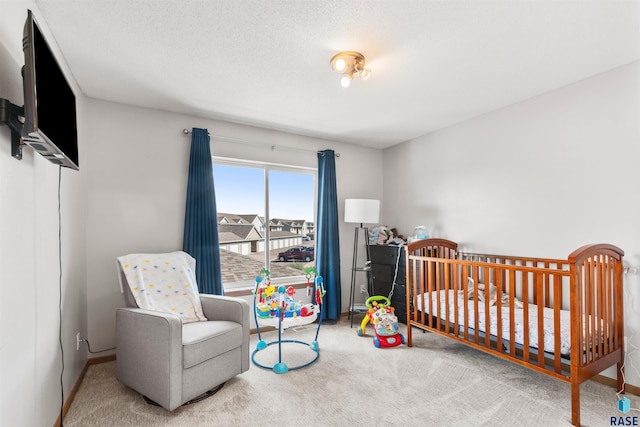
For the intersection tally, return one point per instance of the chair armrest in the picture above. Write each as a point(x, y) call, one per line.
point(218, 307)
point(149, 353)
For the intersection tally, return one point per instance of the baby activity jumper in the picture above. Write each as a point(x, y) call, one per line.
point(275, 306)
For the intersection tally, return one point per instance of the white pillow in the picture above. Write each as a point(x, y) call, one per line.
point(164, 282)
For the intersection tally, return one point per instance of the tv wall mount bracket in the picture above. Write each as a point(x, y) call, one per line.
point(13, 115)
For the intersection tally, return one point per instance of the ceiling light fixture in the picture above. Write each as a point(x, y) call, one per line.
point(349, 64)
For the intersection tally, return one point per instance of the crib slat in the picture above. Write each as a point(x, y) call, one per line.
point(547, 285)
point(447, 286)
point(512, 323)
point(435, 286)
point(590, 315)
point(598, 306)
point(525, 303)
point(577, 328)
point(608, 309)
point(456, 281)
point(487, 310)
point(500, 289)
point(610, 304)
point(557, 306)
point(476, 318)
point(423, 282)
point(538, 289)
point(465, 307)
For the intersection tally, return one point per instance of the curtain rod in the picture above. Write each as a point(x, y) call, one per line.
point(244, 141)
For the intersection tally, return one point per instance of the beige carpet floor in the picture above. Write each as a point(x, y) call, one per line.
point(437, 382)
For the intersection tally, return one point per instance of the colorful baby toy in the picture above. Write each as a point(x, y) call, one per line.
point(384, 322)
point(276, 307)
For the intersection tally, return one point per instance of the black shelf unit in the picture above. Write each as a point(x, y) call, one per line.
point(388, 266)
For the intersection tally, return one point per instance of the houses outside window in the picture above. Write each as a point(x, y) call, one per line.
point(266, 219)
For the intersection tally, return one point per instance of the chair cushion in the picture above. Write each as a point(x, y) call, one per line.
point(205, 340)
point(164, 282)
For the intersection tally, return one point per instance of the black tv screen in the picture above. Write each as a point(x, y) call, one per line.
point(49, 102)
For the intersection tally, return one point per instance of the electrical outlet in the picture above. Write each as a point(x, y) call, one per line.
point(78, 341)
point(363, 289)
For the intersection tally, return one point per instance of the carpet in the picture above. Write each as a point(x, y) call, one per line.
point(437, 382)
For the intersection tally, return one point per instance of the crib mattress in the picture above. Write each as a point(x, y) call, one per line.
point(518, 320)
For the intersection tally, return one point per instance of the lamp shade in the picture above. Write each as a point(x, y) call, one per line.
point(362, 211)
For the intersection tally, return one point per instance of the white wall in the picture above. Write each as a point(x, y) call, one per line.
point(30, 358)
point(137, 177)
point(539, 178)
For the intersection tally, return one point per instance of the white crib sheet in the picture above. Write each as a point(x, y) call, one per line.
point(549, 335)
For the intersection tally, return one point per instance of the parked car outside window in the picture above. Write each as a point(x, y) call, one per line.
point(299, 253)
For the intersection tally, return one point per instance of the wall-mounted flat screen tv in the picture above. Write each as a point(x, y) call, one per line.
point(50, 125)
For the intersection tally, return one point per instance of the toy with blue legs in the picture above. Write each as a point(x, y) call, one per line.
point(275, 306)
point(384, 321)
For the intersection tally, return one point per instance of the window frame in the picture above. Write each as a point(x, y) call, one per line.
point(267, 167)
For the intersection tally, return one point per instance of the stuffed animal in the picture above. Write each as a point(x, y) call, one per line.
point(383, 235)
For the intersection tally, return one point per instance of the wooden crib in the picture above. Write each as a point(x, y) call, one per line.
point(573, 307)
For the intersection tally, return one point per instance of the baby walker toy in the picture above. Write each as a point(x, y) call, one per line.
point(274, 306)
point(384, 322)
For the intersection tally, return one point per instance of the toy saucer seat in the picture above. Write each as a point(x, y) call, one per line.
point(279, 310)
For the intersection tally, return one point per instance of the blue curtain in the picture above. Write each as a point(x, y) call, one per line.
point(327, 240)
point(200, 220)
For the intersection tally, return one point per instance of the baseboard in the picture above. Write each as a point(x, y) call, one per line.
point(76, 386)
point(72, 394)
point(628, 388)
point(101, 359)
point(262, 330)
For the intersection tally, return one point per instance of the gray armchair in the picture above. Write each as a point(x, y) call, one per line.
point(171, 362)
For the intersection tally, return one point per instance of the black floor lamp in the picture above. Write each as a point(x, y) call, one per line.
point(360, 211)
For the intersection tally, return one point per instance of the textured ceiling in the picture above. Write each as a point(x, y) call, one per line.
point(266, 62)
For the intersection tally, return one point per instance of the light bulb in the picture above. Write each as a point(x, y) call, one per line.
point(364, 74)
point(340, 64)
point(345, 81)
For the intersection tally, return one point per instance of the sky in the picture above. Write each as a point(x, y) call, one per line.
point(240, 190)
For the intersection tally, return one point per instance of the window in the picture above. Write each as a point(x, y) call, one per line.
point(266, 219)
